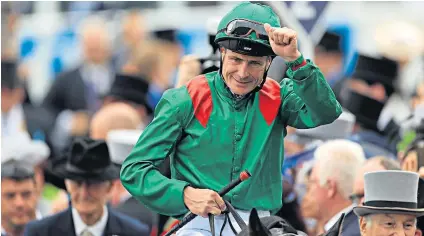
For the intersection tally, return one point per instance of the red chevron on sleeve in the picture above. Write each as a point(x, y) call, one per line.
point(270, 100)
point(201, 97)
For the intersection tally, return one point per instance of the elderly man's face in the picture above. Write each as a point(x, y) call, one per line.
point(317, 196)
point(18, 202)
point(309, 206)
point(96, 45)
point(88, 198)
point(388, 225)
point(243, 73)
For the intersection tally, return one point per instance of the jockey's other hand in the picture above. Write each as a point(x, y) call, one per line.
point(203, 201)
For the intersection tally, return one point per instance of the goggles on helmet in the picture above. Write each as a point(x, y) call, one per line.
point(243, 28)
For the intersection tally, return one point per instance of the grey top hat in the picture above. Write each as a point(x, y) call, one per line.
point(341, 128)
point(390, 192)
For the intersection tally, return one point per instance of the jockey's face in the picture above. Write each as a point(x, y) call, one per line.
point(243, 73)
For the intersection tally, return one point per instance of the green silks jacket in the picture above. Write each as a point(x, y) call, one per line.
point(211, 137)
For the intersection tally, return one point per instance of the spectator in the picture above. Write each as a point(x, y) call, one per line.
point(76, 94)
point(88, 173)
point(390, 204)
point(19, 117)
point(32, 154)
point(18, 197)
point(331, 182)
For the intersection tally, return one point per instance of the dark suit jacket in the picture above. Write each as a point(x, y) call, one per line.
point(136, 210)
point(350, 225)
point(67, 92)
point(39, 122)
point(62, 224)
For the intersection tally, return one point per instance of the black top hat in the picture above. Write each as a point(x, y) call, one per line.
point(87, 160)
point(366, 110)
point(131, 88)
point(376, 70)
point(330, 42)
point(169, 35)
point(9, 77)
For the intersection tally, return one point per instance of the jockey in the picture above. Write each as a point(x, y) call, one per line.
point(227, 121)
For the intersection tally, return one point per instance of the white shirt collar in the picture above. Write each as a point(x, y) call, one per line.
point(334, 219)
point(98, 75)
point(38, 215)
point(96, 229)
point(13, 121)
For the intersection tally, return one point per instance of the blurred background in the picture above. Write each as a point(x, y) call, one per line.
point(44, 35)
point(65, 63)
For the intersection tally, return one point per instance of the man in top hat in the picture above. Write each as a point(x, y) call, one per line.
point(390, 204)
point(19, 196)
point(229, 120)
point(88, 173)
point(117, 115)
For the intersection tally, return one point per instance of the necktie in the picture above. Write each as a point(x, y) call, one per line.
point(86, 232)
point(92, 97)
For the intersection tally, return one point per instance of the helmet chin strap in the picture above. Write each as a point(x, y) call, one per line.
point(259, 87)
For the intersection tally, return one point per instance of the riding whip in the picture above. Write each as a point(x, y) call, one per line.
point(243, 176)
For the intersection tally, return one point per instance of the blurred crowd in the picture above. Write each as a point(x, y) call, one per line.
point(62, 156)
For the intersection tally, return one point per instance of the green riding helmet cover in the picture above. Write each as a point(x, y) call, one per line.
point(250, 44)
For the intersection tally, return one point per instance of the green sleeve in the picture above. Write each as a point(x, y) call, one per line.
point(140, 174)
point(308, 100)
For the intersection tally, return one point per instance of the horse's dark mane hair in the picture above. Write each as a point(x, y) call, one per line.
point(268, 226)
point(275, 225)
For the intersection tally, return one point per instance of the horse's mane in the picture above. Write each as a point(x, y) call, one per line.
point(268, 226)
point(275, 225)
